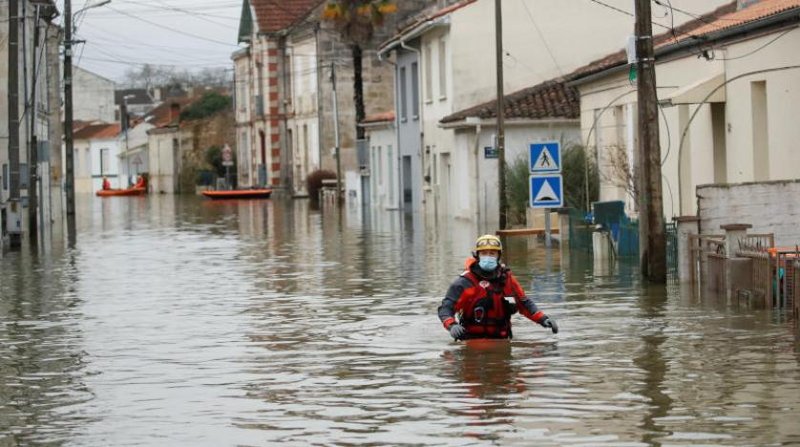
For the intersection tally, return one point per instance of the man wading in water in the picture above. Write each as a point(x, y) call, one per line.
point(477, 297)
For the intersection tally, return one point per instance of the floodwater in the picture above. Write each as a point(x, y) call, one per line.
point(183, 322)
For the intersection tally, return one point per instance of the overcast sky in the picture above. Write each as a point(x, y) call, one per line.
point(185, 34)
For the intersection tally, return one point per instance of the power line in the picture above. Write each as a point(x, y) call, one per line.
point(541, 36)
point(174, 30)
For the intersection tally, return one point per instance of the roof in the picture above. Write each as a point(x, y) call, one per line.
point(99, 131)
point(421, 19)
point(378, 118)
point(548, 100)
point(140, 96)
point(163, 116)
point(276, 15)
point(701, 30)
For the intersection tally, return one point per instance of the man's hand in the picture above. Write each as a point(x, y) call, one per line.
point(551, 324)
point(457, 331)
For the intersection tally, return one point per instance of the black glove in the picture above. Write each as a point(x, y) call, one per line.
point(548, 323)
point(457, 331)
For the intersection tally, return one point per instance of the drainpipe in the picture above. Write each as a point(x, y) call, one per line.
point(419, 100)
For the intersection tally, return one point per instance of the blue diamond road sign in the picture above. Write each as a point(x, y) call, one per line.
point(546, 191)
point(545, 157)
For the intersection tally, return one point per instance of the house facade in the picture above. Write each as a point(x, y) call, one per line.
point(97, 148)
point(727, 88)
point(92, 96)
point(287, 124)
point(455, 58)
point(30, 120)
point(384, 186)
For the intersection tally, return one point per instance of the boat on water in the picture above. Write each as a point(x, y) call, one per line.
point(261, 193)
point(135, 191)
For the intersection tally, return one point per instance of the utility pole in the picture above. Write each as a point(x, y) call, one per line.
point(33, 147)
point(15, 232)
point(336, 136)
point(501, 131)
point(70, 154)
point(652, 241)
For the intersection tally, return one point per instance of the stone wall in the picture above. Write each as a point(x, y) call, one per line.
point(197, 136)
point(770, 207)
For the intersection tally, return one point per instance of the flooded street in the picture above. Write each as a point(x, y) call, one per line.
point(181, 321)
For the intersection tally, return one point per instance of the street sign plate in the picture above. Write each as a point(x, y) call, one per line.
point(490, 152)
point(545, 157)
point(546, 191)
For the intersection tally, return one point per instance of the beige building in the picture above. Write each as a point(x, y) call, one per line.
point(728, 93)
point(452, 48)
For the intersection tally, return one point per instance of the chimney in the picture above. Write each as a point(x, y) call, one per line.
point(174, 112)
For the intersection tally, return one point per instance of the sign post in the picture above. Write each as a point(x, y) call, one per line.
point(227, 161)
point(546, 184)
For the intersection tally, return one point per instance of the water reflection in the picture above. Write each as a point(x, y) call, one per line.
point(182, 321)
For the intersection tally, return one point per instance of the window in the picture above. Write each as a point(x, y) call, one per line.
point(104, 161)
point(415, 90)
point(442, 69)
point(5, 176)
point(428, 73)
point(403, 93)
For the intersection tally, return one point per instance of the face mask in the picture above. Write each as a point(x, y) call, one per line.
point(487, 263)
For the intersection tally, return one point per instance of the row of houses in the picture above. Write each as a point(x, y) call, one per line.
point(727, 83)
point(30, 120)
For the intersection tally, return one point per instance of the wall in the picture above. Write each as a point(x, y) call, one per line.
point(782, 98)
point(383, 166)
point(304, 123)
point(771, 207)
point(93, 97)
point(196, 138)
point(409, 138)
point(599, 29)
point(481, 200)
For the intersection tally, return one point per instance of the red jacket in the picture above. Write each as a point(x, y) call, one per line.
point(478, 298)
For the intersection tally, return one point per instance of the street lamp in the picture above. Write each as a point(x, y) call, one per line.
point(68, 134)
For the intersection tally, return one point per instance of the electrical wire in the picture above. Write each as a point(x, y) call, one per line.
point(541, 36)
point(759, 48)
point(174, 30)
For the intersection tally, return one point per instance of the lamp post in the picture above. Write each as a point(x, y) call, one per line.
point(68, 118)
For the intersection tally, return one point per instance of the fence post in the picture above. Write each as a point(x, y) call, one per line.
point(685, 226)
point(733, 234)
point(563, 225)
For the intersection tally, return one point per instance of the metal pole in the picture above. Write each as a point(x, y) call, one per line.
point(652, 239)
point(501, 134)
point(68, 134)
point(336, 135)
point(13, 122)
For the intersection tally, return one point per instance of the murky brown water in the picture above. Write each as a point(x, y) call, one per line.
point(178, 321)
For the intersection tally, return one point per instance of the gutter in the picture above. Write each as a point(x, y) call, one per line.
point(470, 122)
point(789, 17)
point(412, 33)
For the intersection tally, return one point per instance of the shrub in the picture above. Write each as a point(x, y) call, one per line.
point(209, 104)
point(314, 181)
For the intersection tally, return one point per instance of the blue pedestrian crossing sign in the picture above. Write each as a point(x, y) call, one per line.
point(546, 191)
point(545, 157)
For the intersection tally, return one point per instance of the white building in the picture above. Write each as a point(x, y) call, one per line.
point(446, 64)
point(729, 91)
point(97, 148)
point(92, 97)
point(381, 132)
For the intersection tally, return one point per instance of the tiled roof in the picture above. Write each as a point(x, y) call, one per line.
point(724, 17)
point(378, 118)
point(276, 15)
point(100, 131)
point(162, 115)
point(551, 99)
